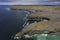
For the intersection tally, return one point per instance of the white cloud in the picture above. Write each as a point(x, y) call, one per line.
point(29, 2)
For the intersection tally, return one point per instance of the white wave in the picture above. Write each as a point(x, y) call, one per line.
point(8, 9)
point(44, 34)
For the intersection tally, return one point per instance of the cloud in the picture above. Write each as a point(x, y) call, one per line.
point(31, 2)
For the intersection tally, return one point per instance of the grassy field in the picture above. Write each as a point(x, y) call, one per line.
point(51, 12)
point(36, 8)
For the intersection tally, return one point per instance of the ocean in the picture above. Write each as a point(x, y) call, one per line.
point(11, 21)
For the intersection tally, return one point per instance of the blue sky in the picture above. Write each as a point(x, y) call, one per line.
point(28, 2)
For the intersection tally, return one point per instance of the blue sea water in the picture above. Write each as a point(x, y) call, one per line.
point(11, 22)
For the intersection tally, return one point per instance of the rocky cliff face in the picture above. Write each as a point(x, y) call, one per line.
point(44, 20)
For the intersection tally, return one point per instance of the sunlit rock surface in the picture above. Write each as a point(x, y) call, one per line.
point(42, 20)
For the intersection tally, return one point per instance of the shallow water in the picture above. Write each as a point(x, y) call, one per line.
point(42, 37)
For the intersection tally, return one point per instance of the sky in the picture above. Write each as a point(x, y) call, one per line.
point(29, 2)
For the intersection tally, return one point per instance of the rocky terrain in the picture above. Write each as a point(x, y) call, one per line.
point(46, 19)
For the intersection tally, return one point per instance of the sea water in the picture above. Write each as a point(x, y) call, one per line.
point(42, 37)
